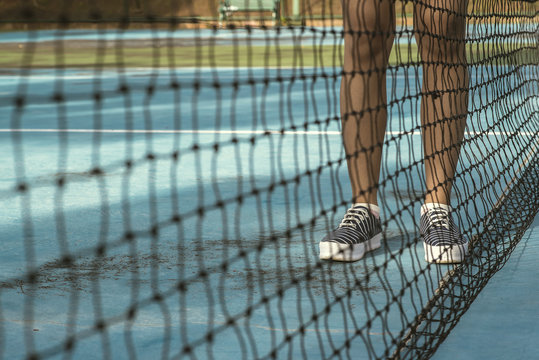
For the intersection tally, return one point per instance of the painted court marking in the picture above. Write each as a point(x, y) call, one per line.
point(239, 132)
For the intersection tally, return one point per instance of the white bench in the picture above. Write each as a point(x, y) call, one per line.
point(228, 8)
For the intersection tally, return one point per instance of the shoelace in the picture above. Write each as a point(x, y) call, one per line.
point(439, 218)
point(354, 217)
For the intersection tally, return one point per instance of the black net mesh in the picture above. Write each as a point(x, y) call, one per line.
point(170, 168)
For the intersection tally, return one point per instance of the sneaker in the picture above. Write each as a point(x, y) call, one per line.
point(442, 240)
point(360, 231)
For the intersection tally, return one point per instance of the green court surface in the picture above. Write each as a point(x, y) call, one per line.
point(168, 54)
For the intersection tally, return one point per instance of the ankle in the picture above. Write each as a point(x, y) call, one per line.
point(432, 205)
point(373, 208)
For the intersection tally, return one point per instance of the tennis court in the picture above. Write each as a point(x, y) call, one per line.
point(175, 212)
point(508, 303)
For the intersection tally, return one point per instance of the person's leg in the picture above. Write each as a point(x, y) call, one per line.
point(369, 27)
point(369, 30)
point(440, 29)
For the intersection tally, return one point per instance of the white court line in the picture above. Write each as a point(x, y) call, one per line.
point(238, 132)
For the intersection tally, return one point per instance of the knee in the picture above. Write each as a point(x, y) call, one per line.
point(369, 28)
point(440, 36)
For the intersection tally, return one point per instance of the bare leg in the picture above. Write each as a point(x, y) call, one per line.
point(369, 27)
point(440, 33)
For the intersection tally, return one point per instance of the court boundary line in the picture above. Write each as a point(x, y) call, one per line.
point(241, 132)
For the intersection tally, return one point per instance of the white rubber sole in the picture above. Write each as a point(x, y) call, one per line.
point(330, 250)
point(445, 254)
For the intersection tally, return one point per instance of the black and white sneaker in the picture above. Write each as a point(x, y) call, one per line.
point(442, 240)
point(360, 231)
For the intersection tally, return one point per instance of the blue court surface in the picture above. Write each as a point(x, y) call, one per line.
point(503, 322)
point(48, 140)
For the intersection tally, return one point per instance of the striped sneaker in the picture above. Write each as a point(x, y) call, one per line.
point(442, 240)
point(360, 231)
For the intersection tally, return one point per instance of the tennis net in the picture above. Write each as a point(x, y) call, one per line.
point(175, 164)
